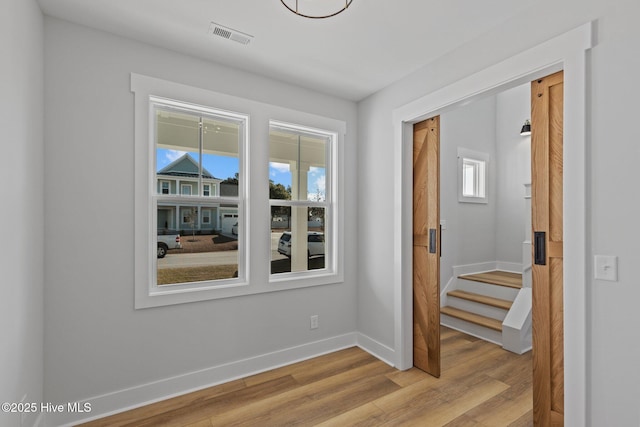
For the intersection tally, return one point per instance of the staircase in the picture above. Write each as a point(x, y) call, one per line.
point(490, 305)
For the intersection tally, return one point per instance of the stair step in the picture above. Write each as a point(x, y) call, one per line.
point(500, 278)
point(487, 322)
point(482, 299)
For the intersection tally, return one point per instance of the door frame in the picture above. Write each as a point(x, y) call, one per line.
point(565, 52)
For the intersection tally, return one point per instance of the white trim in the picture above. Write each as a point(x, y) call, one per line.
point(567, 52)
point(145, 394)
point(482, 179)
point(376, 349)
point(254, 204)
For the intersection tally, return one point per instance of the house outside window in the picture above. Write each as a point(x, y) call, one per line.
point(189, 135)
point(187, 156)
point(301, 199)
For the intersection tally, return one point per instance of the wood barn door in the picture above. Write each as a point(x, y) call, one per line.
point(426, 245)
point(547, 217)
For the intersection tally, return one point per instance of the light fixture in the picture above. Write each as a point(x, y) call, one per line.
point(317, 9)
point(526, 128)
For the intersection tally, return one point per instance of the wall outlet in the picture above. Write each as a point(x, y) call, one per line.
point(314, 321)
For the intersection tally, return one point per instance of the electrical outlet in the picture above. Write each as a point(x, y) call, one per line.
point(314, 321)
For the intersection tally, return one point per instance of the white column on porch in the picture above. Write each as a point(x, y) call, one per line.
point(299, 216)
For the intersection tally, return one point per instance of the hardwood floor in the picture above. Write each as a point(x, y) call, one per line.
point(481, 385)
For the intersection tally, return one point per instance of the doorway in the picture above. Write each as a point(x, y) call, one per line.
point(563, 52)
point(491, 244)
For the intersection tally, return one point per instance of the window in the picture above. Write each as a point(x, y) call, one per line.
point(188, 136)
point(300, 198)
point(472, 176)
point(191, 144)
point(165, 187)
point(206, 216)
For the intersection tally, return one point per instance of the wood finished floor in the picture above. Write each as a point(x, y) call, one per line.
point(481, 385)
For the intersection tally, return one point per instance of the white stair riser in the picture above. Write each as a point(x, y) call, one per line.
point(502, 292)
point(471, 329)
point(477, 308)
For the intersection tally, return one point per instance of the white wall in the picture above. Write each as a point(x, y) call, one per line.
point(470, 234)
point(95, 341)
point(613, 153)
point(22, 259)
point(513, 160)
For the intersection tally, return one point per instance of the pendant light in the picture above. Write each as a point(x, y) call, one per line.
point(316, 9)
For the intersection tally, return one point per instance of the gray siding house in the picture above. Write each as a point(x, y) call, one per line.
point(181, 178)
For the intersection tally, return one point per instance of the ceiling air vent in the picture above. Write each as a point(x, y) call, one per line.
point(229, 33)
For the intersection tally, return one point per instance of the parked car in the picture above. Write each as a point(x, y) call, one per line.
point(315, 244)
point(166, 242)
point(234, 229)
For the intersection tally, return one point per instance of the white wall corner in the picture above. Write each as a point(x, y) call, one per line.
point(376, 349)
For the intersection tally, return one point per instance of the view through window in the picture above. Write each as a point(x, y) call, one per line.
point(300, 198)
point(197, 175)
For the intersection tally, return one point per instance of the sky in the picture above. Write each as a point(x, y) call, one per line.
point(224, 167)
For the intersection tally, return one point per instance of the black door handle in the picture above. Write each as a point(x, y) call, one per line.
point(539, 248)
point(432, 241)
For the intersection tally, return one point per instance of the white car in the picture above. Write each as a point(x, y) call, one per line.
point(315, 244)
point(166, 242)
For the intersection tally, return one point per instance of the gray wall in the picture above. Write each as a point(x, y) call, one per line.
point(513, 163)
point(470, 234)
point(22, 260)
point(613, 212)
point(95, 341)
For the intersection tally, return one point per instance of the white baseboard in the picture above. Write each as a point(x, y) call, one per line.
point(482, 267)
point(376, 349)
point(448, 287)
point(130, 398)
point(514, 267)
point(473, 268)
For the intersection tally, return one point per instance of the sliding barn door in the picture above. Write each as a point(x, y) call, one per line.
point(547, 217)
point(426, 245)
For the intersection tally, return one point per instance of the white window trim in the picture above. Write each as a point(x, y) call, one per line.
point(204, 186)
point(330, 205)
point(183, 187)
point(258, 115)
point(464, 153)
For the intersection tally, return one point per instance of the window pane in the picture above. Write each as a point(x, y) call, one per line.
point(220, 160)
point(288, 253)
point(177, 149)
point(203, 248)
point(297, 164)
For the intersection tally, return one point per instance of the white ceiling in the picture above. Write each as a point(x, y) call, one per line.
point(351, 55)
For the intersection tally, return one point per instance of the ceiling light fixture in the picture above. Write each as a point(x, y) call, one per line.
point(526, 128)
point(317, 9)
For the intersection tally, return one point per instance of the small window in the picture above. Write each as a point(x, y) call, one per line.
point(472, 176)
point(206, 190)
point(185, 189)
point(166, 189)
point(206, 216)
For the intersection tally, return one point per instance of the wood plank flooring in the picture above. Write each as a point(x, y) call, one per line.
point(481, 385)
